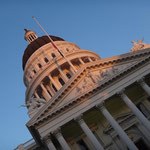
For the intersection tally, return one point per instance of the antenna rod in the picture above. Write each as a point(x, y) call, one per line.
point(52, 42)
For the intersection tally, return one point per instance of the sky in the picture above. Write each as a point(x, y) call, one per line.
point(105, 27)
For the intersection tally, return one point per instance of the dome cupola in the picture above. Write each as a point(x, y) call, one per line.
point(30, 36)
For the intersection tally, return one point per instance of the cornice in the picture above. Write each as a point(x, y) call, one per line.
point(41, 74)
point(38, 117)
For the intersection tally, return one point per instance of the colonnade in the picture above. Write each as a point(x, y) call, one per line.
point(31, 73)
point(121, 133)
point(47, 92)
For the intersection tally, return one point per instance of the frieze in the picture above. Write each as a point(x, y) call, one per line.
point(65, 102)
point(94, 78)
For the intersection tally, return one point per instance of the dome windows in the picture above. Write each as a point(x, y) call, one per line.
point(68, 75)
point(40, 66)
point(61, 81)
point(53, 55)
point(46, 60)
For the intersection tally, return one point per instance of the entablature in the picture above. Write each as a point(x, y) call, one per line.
point(107, 88)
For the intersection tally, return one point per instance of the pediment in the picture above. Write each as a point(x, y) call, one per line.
point(92, 79)
point(87, 79)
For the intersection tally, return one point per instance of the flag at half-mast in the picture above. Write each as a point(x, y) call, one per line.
point(52, 42)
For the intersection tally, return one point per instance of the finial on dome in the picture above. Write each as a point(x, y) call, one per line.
point(25, 30)
point(30, 36)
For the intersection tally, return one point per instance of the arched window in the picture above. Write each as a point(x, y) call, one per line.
point(61, 81)
point(68, 75)
point(46, 60)
point(53, 55)
point(34, 70)
point(40, 66)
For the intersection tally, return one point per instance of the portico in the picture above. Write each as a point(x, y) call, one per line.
point(118, 129)
point(85, 102)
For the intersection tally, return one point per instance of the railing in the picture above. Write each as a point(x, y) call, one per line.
point(28, 144)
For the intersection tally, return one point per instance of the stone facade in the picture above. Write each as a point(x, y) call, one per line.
point(78, 101)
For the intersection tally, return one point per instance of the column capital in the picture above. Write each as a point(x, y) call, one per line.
point(121, 92)
point(79, 119)
point(141, 81)
point(57, 132)
point(100, 105)
point(47, 138)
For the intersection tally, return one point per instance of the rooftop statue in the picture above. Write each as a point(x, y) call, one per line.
point(139, 45)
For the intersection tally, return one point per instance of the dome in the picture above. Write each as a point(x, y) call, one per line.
point(35, 45)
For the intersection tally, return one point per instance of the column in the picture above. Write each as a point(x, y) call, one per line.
point(55, 84)
point(60, 71)
point(72, 66)
point(21, 147)
point(144, 131)
point(64, 77)
point(117, 128)
point(89, 133)
point(81, 61)
point(49, 143)
point(90, 59)
point(135, 110)
point(49, 88)
point(45, 91)
point(61, 140)
point(144, 86)
point(37, 96)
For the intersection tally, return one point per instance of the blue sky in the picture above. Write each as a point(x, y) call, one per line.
point(105, 27)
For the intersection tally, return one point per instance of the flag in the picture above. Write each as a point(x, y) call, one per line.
point(56, 47)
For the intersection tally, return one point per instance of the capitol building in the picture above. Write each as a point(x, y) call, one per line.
point(78, 101)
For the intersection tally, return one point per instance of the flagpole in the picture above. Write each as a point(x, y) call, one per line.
point(53, 44)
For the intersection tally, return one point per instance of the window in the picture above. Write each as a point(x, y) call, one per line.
point(93, 58)
point(46, 60)
point(32, 36)
point(67, 49)
point(40, 66)
point(53, 86)
point(53, 55)
point(61, 81)
point(85, 59)
point(30, 76)
point(49, 93)
point(82, 145)
point(34, 71)
point(68, 75)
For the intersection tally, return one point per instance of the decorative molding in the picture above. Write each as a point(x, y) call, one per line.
point(117, 76)
point(101, 105)
point(79, 119)
point(141, 81)
point(57, 132)
point(34, 104)
point(47, 139)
